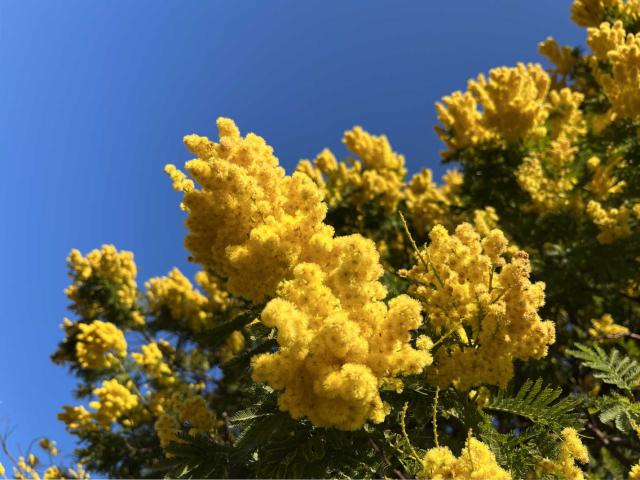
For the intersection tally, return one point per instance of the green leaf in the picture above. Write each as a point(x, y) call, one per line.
point(538, 404)
point(611, 368)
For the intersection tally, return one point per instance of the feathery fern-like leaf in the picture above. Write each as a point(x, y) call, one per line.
point(611, 368)
point(538, 404)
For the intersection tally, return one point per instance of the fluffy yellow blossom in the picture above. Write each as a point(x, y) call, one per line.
point(571, 450)
point(512, 100)
point(509, 105)
point(377, 176)
point(77, 419)
point(217, 297)
point(549, 178)
point(476, 461)
point(466, 286)
point(49, 446)
point(562, 57)
point(565, 117)
point(606, 327)
point(430, 204)
point(634, 473)
point(151, 360)
point(613, 223)
point(52, 473)
point(176, 294)
point(620, 82)
point(107, 268)
point(114, 402)
point(247, 221)
point(589, 13)
point(603, 181)
point(338, 341)
point(99, 344)
point(188, 409)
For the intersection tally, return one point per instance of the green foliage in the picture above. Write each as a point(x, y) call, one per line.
point(612, 368)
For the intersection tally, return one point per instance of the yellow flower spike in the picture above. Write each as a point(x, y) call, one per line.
point(476, 461)
point(589, 13)
point(247, 221)
point(499, 310)
point(114, 401)
point(572, 450)
point(100, 345)
point(621, 50)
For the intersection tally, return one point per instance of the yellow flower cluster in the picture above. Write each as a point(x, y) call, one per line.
point(338, 341)
point(190, 409)
point(476, 462)
point(468, 288)
point(378, 175)
point(620, 82)
point(512, 105)
point(589, 13)
point(606, 327)
point(571, 450)
point(430, 204)
point(108, 267)
point(634, 473)
point(114, 402)
point(99, 344)
point(562, 57)
point(548, 177)
point(613, 223)
point(248, 222)
point(152, 361)
point(49, 446)
point(604, 182)
point(176, 295)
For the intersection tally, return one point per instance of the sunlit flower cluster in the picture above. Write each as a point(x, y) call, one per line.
point(114, 402)
point(468, 289)
point(377, 175)
point(621, 81)
point(509, 105)
point(176, 295)
point(185, 409)
point(606, 326)
point(476, 462)
point(572, 450)
point(338, 341)
point(112, 272)
point(152, 361)
point(430, 204)
point(99, 344)
point(612, 223)
point(248, 222)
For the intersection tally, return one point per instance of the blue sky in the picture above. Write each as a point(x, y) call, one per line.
point(96, 96)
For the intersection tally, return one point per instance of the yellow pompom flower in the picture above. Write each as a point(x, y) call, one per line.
point(99, 345)
point(612, 223)
point(49, 446)
point(77, 419)
point(151, 360)
point(109, 267)
point(114, 402)
point(634, 473)
point(430, 204)
point(509, 105)
point(589, 13)
point(620, 82)
point(338, 341)
point(606, 327)
point(476, 461)
point(468, 288)
point(52, 473)
point(562, 57)
point(247, 221)
point(176, 295)
point(572, 450)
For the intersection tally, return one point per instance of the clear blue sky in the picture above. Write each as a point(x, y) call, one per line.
point(95, 97)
